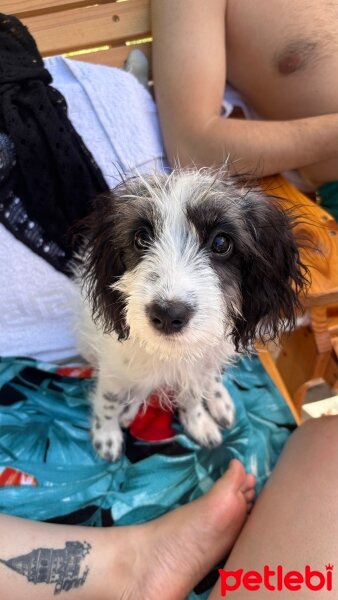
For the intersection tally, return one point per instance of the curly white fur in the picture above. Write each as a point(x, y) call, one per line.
point(184, 211)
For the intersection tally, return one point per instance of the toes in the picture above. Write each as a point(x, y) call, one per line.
point(236, 472)
point(234, 476)
point(108, 440)
point(250, 482)
point(244, 482)
point(249, 495)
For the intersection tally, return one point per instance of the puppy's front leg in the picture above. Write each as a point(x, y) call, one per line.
point(203, 410)
point(219, 402)
point(106, 432)
point(198, 423)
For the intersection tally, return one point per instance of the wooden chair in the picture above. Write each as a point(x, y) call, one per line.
point(103, 32)
point(308, 357)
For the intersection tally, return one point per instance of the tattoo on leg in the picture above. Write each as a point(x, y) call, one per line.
point(50, 565)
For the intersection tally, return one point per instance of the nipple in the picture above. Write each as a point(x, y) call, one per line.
point(289, 63)
point(295, 57)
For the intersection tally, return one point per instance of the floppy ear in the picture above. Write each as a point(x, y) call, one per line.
point(271, 270)
point(103, 266)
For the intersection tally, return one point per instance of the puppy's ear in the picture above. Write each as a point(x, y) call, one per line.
point(103, 266)
point(271, 270)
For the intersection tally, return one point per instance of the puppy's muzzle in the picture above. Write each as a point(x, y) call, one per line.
point(169, 317)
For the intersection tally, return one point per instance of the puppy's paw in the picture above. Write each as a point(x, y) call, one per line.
point(200, 426)
point(107, 439)
point(220, 405)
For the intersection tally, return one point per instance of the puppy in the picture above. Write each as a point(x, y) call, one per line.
point(179, 273)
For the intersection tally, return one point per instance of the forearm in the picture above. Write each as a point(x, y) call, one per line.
point(29, 578)
point(189, 69)
point(259, 147)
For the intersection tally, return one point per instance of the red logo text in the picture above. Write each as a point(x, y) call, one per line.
point(276, 579)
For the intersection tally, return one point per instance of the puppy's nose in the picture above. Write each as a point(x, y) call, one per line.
point(169, 317)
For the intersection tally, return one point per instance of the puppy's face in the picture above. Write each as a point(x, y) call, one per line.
point(180, 262)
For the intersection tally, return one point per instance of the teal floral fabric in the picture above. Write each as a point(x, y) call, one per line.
point(44, 432)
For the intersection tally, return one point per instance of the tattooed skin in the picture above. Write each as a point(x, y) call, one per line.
point(62, 568)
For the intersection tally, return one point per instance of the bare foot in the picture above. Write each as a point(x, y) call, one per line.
point(167, 557)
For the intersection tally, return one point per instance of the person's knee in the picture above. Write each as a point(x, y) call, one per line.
point(312, 446)
point(319, 426)
point(318, 432)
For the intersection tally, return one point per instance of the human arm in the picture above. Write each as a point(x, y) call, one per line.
point(189, 64)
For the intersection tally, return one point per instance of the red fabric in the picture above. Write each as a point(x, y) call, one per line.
point(154, 423)
point(76, 371)
point(10, 476)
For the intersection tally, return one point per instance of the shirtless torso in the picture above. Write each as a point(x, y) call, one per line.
point(281, 55)
point(285, 61)
point(286, 64)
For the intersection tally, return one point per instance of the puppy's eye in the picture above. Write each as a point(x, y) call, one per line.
point(142, 239)
point(221, 244)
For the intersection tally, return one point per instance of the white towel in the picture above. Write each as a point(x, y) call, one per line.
point(117, 120)
point(115, 115)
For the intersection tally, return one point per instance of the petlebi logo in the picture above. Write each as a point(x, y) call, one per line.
point(277, 579)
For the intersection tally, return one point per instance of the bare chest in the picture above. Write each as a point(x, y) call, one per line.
point(280, 52)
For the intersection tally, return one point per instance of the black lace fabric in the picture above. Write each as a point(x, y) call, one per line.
point(55, 178)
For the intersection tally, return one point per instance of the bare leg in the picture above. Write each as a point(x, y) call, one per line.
point(295, 520)
point(164, 558)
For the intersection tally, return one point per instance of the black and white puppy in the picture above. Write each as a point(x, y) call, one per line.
point(179, 273)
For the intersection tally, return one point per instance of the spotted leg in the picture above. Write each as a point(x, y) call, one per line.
point(202, 416)
point(106, 432)
point(129, 412)
point(198, 423)
point(219, 402)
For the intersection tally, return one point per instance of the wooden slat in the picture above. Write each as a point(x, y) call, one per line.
point(296, 360)
point(81, 28)
point(270, 367)
point(114, 57)
point(29, 7)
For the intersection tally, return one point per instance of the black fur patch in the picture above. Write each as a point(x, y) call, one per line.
point(264, 263)
point(109, 251)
